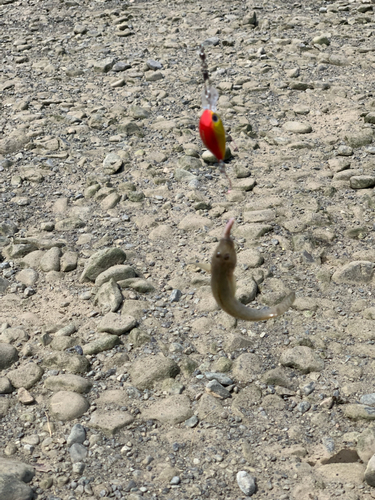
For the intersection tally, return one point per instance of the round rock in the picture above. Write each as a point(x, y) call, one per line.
point(8, 356)
point(66, 405)
point(246, 483)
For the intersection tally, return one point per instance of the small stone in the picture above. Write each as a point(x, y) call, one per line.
point(154, 65)
point(220, 377)
point(119, 272)
point(191, 422)
point(121, 66)
point(175, 295)
point(28, 277)
point(109, 296)
point(68, 382)
point(303, 406)
point(104, 65)
point(366, 444)
point(112, 163)
point(359, 412)
point(172, 410)
point(344, 151)
point(5, 385)
point(217, 390)
point(321, 40)
point(158, 368)
point(78, 468)
point(355, 272)
point(246, 483)
point(370, 472)
point(103, 343)
point(24, 396)
point(78, 452)
point(68, 261)
point(154, 77)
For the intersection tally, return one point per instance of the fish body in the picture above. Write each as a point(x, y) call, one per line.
point(223, 284)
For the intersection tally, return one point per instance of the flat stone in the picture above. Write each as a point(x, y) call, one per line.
point(117, 324)
point(297, 127)
point(67, 405)
point(302, 358)
point(68, 382)
point(355, 272)
point(158, 368)
point(118, 272)
point(103, 343)
point(26, 376)
point(65, 361)
point(171, 411)
point(359, 412)
point(110, 423)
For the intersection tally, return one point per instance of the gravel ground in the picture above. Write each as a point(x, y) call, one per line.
point(120, 377)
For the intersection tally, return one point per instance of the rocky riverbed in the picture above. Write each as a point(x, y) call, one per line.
point(120, 377)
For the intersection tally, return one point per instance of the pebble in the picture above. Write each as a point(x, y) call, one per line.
point(77, 435)
point(246, 483)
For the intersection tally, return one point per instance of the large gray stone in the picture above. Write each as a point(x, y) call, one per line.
point(101, 261)
point(359, 271)
point(8, 355)
point(145, 371)
point(26, 376)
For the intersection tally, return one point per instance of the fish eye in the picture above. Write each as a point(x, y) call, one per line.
point(215, 118)
point(218, 255)
point(226, 256)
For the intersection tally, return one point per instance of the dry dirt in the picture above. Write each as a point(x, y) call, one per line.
point(100, 150)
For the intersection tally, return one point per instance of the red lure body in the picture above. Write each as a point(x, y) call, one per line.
point(212, 133)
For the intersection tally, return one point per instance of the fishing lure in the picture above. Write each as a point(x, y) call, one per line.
point(211, 128)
